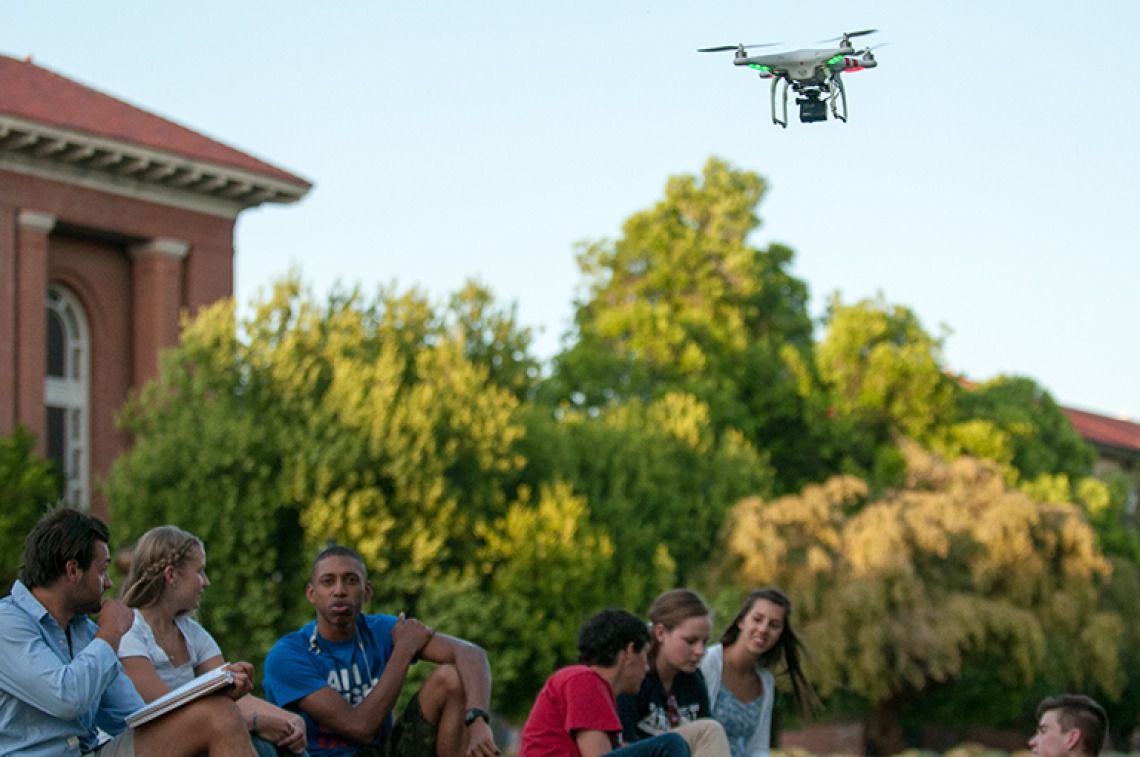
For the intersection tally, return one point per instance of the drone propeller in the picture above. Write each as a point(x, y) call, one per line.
point(726, 48)
point(868, 52)
point(849, 35)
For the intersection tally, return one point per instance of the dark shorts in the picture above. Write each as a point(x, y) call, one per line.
point(411, 736)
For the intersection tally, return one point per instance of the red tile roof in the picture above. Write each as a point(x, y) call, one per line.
point(34, 93)
point(1102, 430)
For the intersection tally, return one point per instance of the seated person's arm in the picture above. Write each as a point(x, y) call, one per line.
point(361, 723)
point(277, 726)
point(144, 677)
point(275, 722)
point(150, 687)
point(593, 743)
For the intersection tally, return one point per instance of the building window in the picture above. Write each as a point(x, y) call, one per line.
point(66, 392)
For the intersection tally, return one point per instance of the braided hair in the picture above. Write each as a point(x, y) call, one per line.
point(156, 550)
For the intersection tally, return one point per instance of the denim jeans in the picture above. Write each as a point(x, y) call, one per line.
point(266, 749)
point(665, 745)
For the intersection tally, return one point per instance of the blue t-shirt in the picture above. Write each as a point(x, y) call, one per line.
point(303, 662)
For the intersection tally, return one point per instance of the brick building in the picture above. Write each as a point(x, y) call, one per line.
point(1117, 444)
point(112, 222)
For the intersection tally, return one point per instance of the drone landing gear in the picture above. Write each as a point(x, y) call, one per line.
point(775, 82)
point(835, 85)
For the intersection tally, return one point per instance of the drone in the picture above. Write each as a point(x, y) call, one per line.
point(814, 75)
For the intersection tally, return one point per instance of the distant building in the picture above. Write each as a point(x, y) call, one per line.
point(1117, 443)
point(112, 221)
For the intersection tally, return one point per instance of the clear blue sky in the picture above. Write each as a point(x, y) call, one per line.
point(986, 178)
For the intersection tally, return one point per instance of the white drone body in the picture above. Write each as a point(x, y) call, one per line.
point(815, 75)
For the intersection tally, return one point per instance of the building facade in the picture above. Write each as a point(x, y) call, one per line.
point(113, 222)
point(1117, 445)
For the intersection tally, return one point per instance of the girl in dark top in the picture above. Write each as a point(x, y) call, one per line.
point(673, 695)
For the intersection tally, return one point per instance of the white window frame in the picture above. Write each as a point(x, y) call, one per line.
point(70, 393)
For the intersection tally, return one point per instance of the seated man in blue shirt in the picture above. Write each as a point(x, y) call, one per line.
point(62, 689)
point(343, 673)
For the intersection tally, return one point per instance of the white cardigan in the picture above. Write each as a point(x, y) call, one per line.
point(711, 667)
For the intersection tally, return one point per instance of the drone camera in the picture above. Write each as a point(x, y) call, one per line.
point(812, 110)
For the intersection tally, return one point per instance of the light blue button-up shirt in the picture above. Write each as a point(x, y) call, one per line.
point(53, 696)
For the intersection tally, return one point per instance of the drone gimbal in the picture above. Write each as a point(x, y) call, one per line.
point(813, 100)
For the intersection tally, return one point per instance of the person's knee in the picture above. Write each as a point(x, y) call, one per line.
point(444, 682)
point(199, 725)
point(443, 685)
point(673, 745)
point(220, 715)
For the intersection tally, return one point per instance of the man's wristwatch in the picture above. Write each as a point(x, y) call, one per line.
point(474, 714)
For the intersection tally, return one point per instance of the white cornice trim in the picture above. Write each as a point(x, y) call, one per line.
point(134, 171)
point(36, 220)
point(160, 248)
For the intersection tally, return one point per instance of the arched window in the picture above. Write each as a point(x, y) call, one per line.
point(66, 392)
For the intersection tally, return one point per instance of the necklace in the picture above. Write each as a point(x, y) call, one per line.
point(170, 640)
point(345, 677)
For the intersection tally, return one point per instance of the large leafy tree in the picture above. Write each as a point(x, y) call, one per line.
point(30, 485)
point(351, 419)
point(384, 424)
point(682, 302)
point(657, 478)
point(877, 377)
point(494, 339)
point(954, 578)
point(1026, 428)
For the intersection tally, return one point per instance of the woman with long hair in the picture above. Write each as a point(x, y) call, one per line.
point(166, 647)
point(738, 671)
point(673, 694)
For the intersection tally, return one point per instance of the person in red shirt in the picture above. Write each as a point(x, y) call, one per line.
point(575, 714)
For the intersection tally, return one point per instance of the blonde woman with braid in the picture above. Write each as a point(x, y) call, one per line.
point(166, 647)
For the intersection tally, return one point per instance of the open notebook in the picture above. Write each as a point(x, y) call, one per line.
point(207, 683)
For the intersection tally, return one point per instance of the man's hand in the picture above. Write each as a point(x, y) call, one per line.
point(411, 633)
point(115, 619)
point(298, 739)
point(481, 740)
point(286, 733)
point(243, 680)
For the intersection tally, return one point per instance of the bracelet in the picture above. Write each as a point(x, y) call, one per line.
point(253, 728)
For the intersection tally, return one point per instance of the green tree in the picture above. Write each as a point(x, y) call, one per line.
point(954, 578)
point(495, 340)
point(657, 478)
point(683, 303)
point(208, 457)
point(878, 376)
point(1105, 503)
point(542, 569)
point(1027, 429)
point(351, 419)
point(30, 486)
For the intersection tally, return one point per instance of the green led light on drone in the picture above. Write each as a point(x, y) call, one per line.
point(758, 67)
point(835, 60)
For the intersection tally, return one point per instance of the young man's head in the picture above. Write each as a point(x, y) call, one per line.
point(69, 548)
point(1070, 724)
point(619, 640)
point(338, 588)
